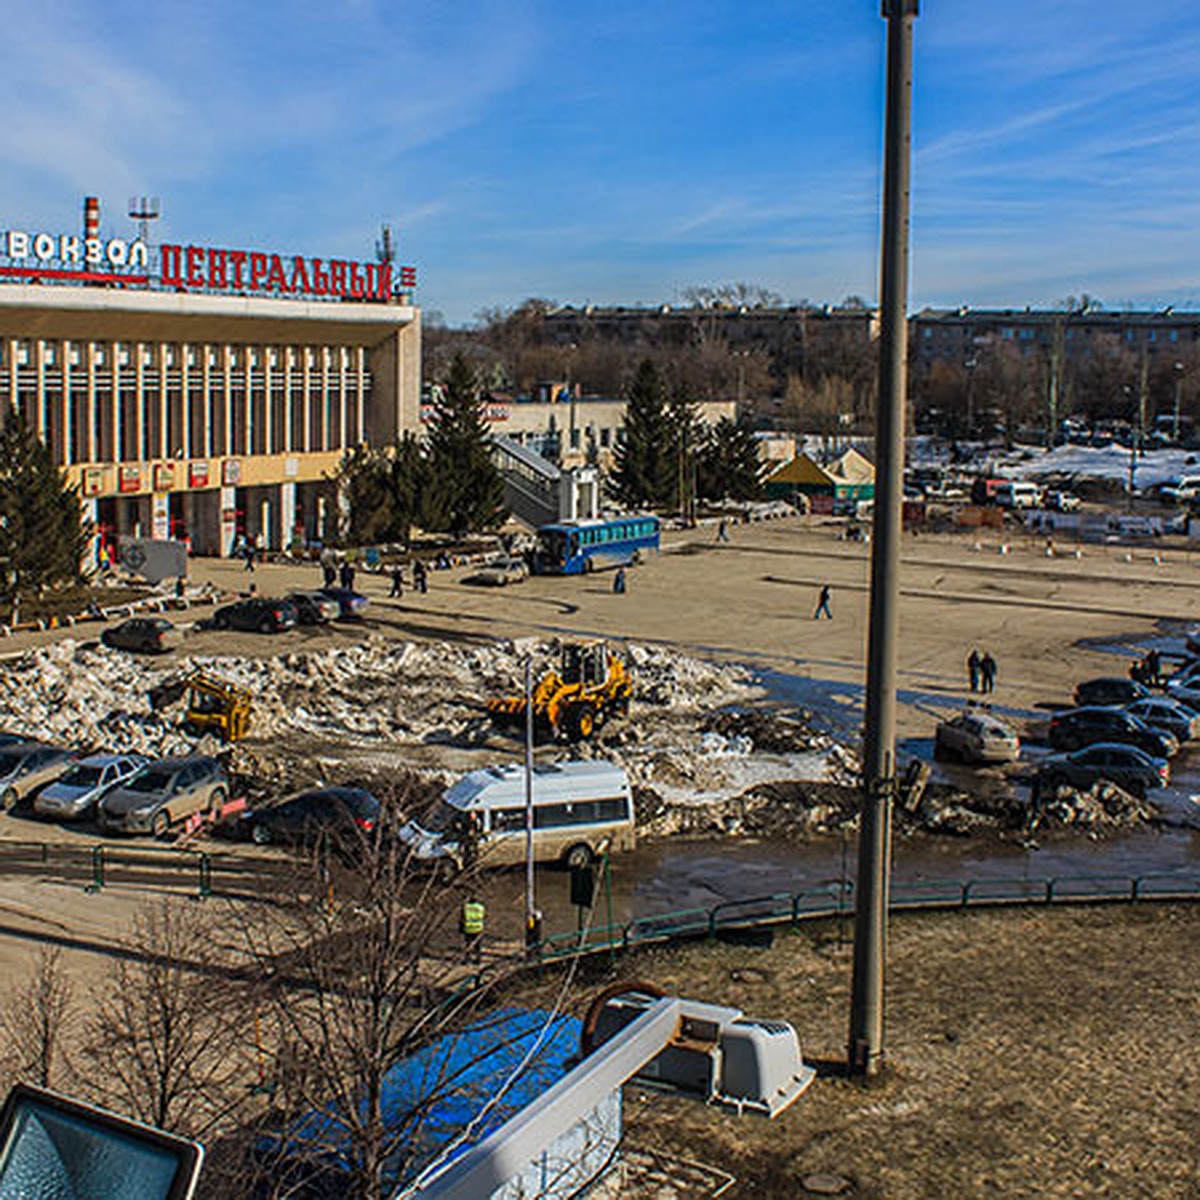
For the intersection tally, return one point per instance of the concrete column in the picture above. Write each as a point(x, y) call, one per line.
point(227, 387)
point(139, 403)
point(90, 450)
point(287, 514)
point(228, 520)
point(288, 441)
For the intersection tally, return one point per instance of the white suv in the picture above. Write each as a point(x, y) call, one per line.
point(1185, 490)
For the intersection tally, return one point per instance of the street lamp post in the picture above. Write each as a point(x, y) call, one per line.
point(1178, 369)
point(879, 743)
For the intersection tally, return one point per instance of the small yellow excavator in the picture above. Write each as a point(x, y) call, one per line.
point(216, 705)
point(590, 685)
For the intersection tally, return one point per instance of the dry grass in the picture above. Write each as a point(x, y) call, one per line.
point(1030, 1053)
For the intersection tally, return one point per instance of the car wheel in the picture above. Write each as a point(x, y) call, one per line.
point(578, 857)
point(220, 621)
point(8, 801)
point(260, 834)
point(265, 626)
point(161, 825)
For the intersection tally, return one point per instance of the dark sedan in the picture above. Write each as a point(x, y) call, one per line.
point(341, 813)
point(1114, 690)
point(258, 615)
point(1126, 766)
point(1075, 728)
point(143, 635)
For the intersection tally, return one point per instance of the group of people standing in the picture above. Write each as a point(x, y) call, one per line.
point(981, 672)
point(420, 580)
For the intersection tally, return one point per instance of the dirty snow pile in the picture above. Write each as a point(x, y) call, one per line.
point(393, 704)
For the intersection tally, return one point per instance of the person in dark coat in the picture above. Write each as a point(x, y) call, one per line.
point(619, 582)
point(346, 576)
point(330, 572)
point(420, 576)
point(987, 672)
point(973, 670)
point(397, 580)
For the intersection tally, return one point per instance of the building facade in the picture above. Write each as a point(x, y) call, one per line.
point(197, 401)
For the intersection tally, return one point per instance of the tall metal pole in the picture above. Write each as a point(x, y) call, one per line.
point(879, 748)
point(530, 905)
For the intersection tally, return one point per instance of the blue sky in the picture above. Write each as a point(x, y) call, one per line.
point(621, 153)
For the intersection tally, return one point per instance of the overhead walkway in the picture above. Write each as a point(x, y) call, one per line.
point(537, 491)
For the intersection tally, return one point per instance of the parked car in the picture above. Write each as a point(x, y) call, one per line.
point(162, 794)
point(1126, 766)
point(1161, 712)
point(143, 635)
point(1061, 502)
point(1182, 491)
point(500, 571)
point(258, 614)
point(314, 607)
point(976, 737)
point(1075, 728)
point(343, 813)
point(350, 603)
point(74, 794)
point(1185, 690)
point(27, 766)
point(1112, 690)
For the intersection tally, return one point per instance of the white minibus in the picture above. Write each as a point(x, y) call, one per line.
point(580, 809)
point(1019, 494)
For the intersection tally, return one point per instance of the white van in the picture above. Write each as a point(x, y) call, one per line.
point(580, 809)
point(1019, 494)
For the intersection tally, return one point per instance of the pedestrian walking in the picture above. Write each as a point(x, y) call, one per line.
point(420, 576)
point(823, 604)
point(723, 531)
point(330, 572)
point(346, 575)
point(397, 581)
point(471, 922)
point(973, 670)
point(987, 672)
point(619, 582)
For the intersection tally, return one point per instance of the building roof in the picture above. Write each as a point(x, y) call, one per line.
point(853, 467)
point(801, 470)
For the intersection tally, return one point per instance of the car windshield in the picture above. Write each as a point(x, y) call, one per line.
point(149, 781)
point(443, 819)
point(84, 777)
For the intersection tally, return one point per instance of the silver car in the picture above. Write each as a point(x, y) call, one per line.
point(162, 795)
point(26, 766)
point(499, 572)
point(74, 794)
point(977, 737)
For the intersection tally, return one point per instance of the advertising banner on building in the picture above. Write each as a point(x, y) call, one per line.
point(154, 559)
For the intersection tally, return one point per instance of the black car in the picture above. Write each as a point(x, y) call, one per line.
point(342, 813)
point(1114, 690)
point(1077, 727)
point(257, 614)
point(145, 635)
point(350, 603)
point(1126, 766)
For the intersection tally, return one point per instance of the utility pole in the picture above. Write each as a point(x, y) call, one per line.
point(879, 747)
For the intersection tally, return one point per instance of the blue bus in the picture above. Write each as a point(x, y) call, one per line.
point(578, 547)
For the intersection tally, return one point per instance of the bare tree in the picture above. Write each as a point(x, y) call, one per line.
point(164, 1044)
point(37, 1020)
point(348, 988)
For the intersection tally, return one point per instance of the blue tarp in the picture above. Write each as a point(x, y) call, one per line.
point(430, 1098)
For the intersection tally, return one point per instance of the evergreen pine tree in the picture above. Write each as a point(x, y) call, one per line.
point(42, 535)
point(687, 439)
point(729, 467)
point(465, 491)
point(644, 473)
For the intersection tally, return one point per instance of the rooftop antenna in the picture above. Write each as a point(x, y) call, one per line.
point(143, 210)
point(385, 246)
